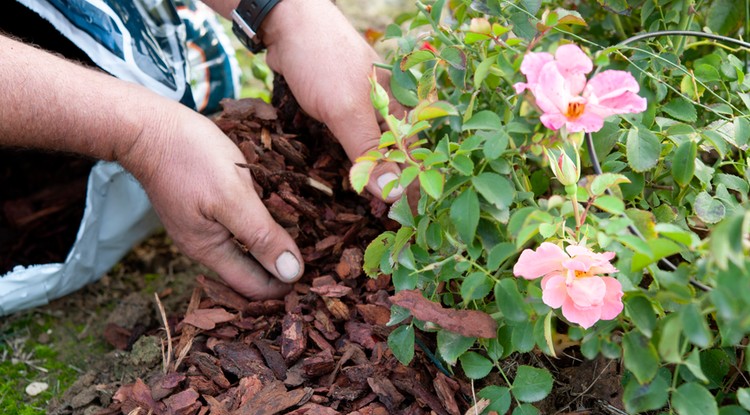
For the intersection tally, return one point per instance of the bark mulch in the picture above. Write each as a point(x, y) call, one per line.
point(323, 348)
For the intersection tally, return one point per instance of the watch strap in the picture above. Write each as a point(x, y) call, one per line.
point(246, 21)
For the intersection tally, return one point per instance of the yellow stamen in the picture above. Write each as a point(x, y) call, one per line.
point(575, 110)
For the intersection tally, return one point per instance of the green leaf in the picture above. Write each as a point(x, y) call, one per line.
point(681, 109)
point(610, 204)
point(660, 248)
point(495, 143)
point(522, 336)
point(725, 16)
point(398, 314)
point(727, 240)
point(639, 356)
point(401, 212)
point(741, 131)
point(683, 163)
point(475, 365)
point(641, 311)
point(708, 209)
point(693, 399)
point(499, 254)
point(648, 397)
point(695, 326)
point(693, 363)
point(359, 175)
point(497, 189)
point(452, 345)
point(431, 182)
point(732, 410)
point(531, 384)
point(483, 69)
point(743, 397)
point(604, 181)
point(510, 301)
point(475, 286)
point(454, 56)
point(643, 149)
point(464, 214)
point(435, 110)
point(525, 409)
point(463, 164)
point(376, 251)
point(415, 58)
point(401, 343)
point(669, 340)
point(499, 397)
point(483, 120)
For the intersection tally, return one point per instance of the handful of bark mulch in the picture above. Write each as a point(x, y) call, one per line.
point(321, 350)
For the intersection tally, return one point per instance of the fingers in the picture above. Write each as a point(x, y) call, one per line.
point(265, 239)
point(244, 274)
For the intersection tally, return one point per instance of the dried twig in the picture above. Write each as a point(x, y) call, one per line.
point(163, 314)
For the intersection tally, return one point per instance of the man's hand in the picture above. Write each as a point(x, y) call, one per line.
point(205, 201)
point(185, 163)
point(326, 64)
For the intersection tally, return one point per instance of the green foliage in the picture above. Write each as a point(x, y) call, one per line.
point(671, 202)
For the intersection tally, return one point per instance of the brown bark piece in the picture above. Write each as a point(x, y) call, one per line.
point(446, 389)
point(468, 323)
point(273, 359)
point(293, 339)
point(241, 360)
point(163, 385)
point(319, 364)
point(350, 263)
point(184, 402)
point(207, 319)
point(361, 334)
point(274, 399)
point(222, 294)
point(374, 314)
point(387, 393)
point(209, 366)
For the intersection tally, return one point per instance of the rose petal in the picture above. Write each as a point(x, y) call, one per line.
point(612, 306)
point(552, 92)
point(553, 121)
point(554, 291)
point(585, 317)
point(545, 260)
point(614, 92)
point(587, 291)
point(573, 64)
point(597, 263)
point(532, 65)
point(588, 122)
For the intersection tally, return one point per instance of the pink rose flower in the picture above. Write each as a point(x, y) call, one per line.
point(559, 86)
point(571, 281)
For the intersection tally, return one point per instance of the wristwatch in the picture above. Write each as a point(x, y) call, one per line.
point(246, 20)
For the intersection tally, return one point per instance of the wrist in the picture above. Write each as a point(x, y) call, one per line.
point(247, 19)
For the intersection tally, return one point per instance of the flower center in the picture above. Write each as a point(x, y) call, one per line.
point(581, 274)
point(575, 110)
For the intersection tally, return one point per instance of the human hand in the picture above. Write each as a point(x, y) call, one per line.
point(205, 201)
point(326, 64)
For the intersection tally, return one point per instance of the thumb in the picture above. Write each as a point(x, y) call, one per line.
point(361, 136)
point(270, 245)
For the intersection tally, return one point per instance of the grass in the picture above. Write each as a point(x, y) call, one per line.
point(25, 357)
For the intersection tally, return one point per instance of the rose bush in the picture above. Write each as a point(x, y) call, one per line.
point(600, 146)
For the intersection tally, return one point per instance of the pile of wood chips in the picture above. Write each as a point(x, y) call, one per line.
point(322, 349)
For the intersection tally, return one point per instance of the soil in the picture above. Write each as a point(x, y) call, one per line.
point(320, 350)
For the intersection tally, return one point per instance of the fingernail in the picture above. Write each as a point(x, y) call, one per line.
point(386, 178)
point(287, 266)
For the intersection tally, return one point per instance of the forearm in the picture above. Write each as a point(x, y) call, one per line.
point(51, 103)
